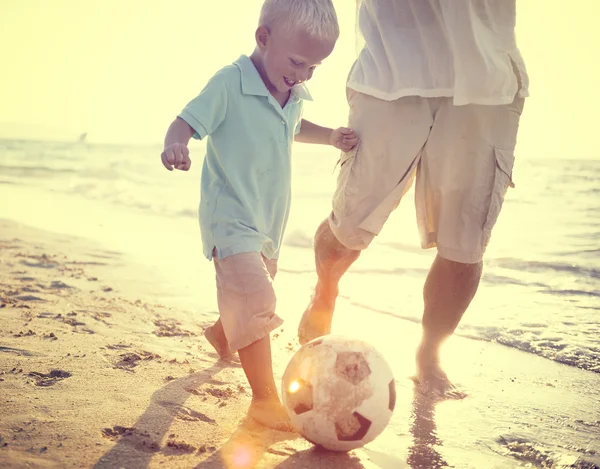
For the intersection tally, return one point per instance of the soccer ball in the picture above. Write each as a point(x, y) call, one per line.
point(339, 392)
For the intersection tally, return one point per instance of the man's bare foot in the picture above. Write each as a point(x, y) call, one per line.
point(434, 384)
point(317, 318)
point(431, 380)
point(219, 342)
point(271, 414)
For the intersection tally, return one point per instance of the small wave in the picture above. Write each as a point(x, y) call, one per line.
point(32, 170)
point(504, 280)
point(541, 267)
point(555, 350)
point(535, 454)
point(528, 338)
point(571, 293)
point(583, 252)
point(415, 271)
point(410, 248)
point(186, 212)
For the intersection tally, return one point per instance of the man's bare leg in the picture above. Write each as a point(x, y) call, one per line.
point(448, 291)
point(332, 260)
point(265, 408)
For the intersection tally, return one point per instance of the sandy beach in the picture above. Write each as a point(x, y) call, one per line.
point(95, 374)
point(93, 377)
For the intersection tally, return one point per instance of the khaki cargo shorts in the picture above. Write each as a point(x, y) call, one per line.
point(246, 297)
point(461, 158)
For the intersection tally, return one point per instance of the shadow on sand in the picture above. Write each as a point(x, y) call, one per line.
point(251, 444)
point(136, 445)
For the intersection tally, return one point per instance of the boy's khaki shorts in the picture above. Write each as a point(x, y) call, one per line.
point(246, 297)
point(461, 157)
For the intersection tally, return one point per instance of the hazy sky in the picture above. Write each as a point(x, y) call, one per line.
point(121, 70)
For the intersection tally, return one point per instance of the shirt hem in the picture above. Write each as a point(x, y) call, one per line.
point(425, 93)
point(435, 93)
point(223, 252)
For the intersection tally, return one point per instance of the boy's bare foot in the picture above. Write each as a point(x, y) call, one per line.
point(317, 318)
point(271, 414)
point(219, 342)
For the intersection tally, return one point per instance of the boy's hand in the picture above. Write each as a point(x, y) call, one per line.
point(343, 138)
point(176, 155)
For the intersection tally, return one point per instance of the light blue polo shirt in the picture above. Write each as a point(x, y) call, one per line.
point(246, 177)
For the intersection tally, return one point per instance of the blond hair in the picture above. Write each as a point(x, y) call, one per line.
point(315, 17)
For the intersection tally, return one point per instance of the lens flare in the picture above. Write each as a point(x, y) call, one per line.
point(294, 386)
point(241, 455)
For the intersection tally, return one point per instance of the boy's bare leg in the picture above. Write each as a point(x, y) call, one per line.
point(265, 408)
point(216, 337)
point(448, 291)
point(332, 260)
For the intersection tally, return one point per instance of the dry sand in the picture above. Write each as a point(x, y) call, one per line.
point(91, 376)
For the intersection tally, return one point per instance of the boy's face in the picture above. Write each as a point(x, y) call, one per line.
point(289, 58)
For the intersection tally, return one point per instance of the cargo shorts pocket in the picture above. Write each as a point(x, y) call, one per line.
point(504, 162)
point(346, 184)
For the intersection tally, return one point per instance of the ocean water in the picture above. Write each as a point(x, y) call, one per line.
point(540, 292)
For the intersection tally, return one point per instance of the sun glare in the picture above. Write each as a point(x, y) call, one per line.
point(294, 386)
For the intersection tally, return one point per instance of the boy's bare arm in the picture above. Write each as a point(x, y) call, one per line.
point(176, 154)
point(342, 138)
point(313, 133)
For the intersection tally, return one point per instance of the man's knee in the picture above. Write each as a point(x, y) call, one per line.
point(330, 250)
point(461, 269)
point(348, 235)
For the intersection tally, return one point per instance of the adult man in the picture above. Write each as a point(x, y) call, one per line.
point(435, 96)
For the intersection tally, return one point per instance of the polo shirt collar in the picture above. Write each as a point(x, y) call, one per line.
point(301, 92)
point(253, 84)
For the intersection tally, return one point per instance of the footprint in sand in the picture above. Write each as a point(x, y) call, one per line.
point(58, 285)
point(170, 328)
point(17, 351)
point(180, 446)
point(129, 360)
point(119, 346)
point(9, 244)
point(43, 262)
point(29, 333)
point(185, 413)
point(71, 321)
point(131, 435)
point(49, 379)
point(99, 316)
point(221, 393)
point(117, 431)
point(29, 298)
point(6, 300)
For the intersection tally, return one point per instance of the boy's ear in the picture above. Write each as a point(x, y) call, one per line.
point(262, 36)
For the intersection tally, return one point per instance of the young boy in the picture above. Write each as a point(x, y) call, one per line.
point(251, 113)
